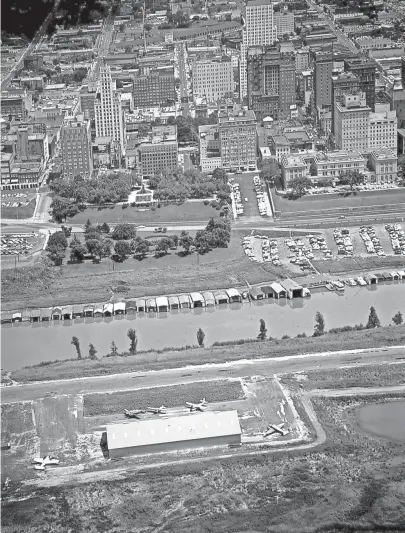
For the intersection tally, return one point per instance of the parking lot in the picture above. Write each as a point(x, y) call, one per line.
point(297, 253)
point(252, 195)
point(19, 243)
point(16, 198)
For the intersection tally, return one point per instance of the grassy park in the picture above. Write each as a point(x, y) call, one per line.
point(324, 202)
point(186, 212)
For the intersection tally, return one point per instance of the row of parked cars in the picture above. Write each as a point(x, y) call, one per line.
point(238, 198)
point(397, 236)
point(14, 244)
point(319, 243)
point(371, 241)
point(344, 242)
point(270, 251)
point(247, 246)
point(301, 253)
point(260, 195)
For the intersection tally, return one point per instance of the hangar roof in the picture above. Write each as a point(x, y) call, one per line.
point(173, 429)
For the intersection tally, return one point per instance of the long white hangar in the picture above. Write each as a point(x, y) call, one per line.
point(174, 433)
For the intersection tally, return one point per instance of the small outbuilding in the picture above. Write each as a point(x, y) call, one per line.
point(278, 290)
point(151, 305)
point(267, 291)
point(46, 314)
point(67, 312)
point(108, 309)
point(57, 313)
point(6, 318)
point(401, 274)
point(209, 298)
point(233, 295)
point(256, 293)
point(197, 299)
point(141, 306)
point(88, 310)
point(185, 302)
point(35, 315)
point(26, 316)
point(379, 277)
point(173, 433)
point(221, 297)
point(131, 307)
point(395, 275)
point(174, 302)
point(17, 316)
point(292, 288)
point(78, 311)
point(98, 311)
point(119, 308)
point(162, 304)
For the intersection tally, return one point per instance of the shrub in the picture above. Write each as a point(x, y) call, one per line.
point(153, 208)
point(206, 202)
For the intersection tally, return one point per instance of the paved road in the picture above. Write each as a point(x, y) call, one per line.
point(266, 367)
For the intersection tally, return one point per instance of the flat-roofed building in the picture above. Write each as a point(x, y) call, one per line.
point(16, 103)
point(383, 162)
point(292, 166)
point(154, 89)
point(238, 139)
point(332, 164)
point(158, 151)
point(284, 22)
point(351, 122)
point(213, 78)
point(76, 147)
point(173, 433)
point(210, 148)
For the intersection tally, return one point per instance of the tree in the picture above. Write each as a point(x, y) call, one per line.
point(105, 228)
point(201, 242)
point(57, 239)
point(113, 349)
point(141, 249)
point(122, 248)
point(76, 344)
point(164, 246)
point(262, 331)
point(351, 178)
point(87, 226)
point(94, 247)
point(78, 251)
point(124, 232)
point(63, 208)
point(56, 253)
point(299, 186)
point(186, 242)
point(200, 337)
point(398, 319)
point(270, 170)
point(106, 246)
point(134, 341)
point(373, 320)
point(319, 325)
point(92, 352)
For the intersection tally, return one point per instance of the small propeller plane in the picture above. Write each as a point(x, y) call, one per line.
point(273, 428)
point(157, 410)
point(202, 406)
point(134, 413)
point(41, 462)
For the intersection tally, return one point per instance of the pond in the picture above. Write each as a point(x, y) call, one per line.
point(384, 420)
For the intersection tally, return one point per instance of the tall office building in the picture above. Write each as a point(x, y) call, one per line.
point(259, 30)
point(351, 122)
point(237, 136)
point(271, 81)
point(323, 67)
point(154, 89)
point(382, 128)
point(213, 78)
point(284, 22)
point(364, 70)
point(75, 139)
point(344, 83)
point(108, 110)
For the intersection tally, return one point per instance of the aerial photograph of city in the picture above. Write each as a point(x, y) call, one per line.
point(202, 266)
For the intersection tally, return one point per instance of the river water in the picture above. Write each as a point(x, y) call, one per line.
point(384, 420)
point(26, 344)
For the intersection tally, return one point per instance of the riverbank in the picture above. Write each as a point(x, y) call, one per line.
point(154, 360)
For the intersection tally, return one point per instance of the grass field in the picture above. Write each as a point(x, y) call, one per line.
point(171, 274)
point(344, 378)
point(364, 264)
point(353, 483)
point(333, 201)
point(173, 396)
point(189, 212)
point(385, 336)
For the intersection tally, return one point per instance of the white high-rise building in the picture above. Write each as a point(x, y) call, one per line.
point(108, 110)
point(259, 30)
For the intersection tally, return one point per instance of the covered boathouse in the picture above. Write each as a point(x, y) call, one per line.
point(173, 433)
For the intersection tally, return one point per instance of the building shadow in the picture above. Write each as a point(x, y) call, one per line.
point(104, 445)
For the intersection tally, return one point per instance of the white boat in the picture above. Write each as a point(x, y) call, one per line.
point(361, 281)
point(352, 282)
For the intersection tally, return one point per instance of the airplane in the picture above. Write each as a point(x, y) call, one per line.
point(42, 462)
point(197, 406)
point(157, 410)
point(273, 428)
point(134, 413)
